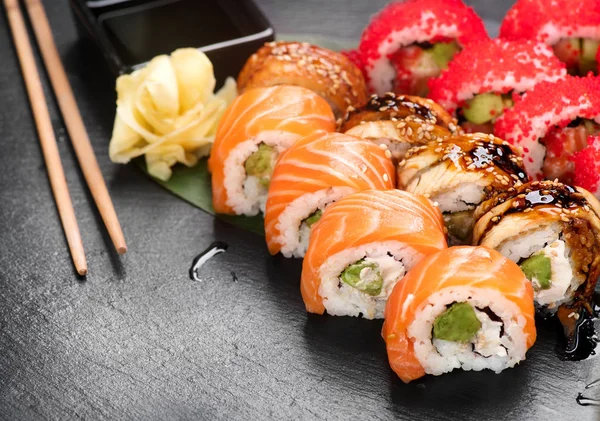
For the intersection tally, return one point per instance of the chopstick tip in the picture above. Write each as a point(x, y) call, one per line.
point(122, 249)
point(82, 271)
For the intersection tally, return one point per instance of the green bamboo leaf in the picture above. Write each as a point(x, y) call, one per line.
point(193, 186)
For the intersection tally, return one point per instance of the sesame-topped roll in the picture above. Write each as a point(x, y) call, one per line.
point(553, 122)
point(411, 41)
point(399, 122)
point(572, 28)
point(552, 231)
point(458, 174)
point(482, 79)
point(328, 73)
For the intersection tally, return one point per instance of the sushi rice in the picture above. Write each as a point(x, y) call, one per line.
point(247, 195)
point(545, 240)
point(394, 259)
point(295, 233)
point(498, 345)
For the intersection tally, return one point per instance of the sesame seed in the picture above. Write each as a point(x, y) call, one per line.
point(385, 177)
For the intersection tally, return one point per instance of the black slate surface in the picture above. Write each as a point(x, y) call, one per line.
point(138, 340)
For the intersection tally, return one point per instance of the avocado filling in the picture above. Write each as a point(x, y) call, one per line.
point(365, 277)
point(260, 164)
point(313, 218)
point(417, 63)
point(442, 53)
point(538, 267)
point(459, 225)
point(579, 54)
point(486, 108)
point(458, 323)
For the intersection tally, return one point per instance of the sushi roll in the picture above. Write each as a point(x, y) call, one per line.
point(411, 41)
point(551, 123)
point(572, 28)
point(399, 122)
point(255, 129)
point(482, 79)
point(458, 174)
point(587, 166)
point(552, 231)
point(315, 172)
point(465, 308)
point(362, 246)
point(330, 74)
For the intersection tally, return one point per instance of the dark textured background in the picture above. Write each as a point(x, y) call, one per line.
point(138, 340)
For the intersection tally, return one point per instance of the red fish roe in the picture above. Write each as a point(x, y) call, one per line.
point(548, 105)
point(542, 109)
point(551, 20)
point(561, 144)
point(497, 66)
point(587, 166)
point(403, 23)
point(356, 58)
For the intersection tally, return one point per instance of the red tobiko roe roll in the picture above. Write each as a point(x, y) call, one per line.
point(552, 122)
point(571, 27)
point(587, 166)
point(480, 80)
point(356, 58)
point(410, 41)
point(551, 20)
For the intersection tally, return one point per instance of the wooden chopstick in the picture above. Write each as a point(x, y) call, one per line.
point(74, 122)
point(43, 123)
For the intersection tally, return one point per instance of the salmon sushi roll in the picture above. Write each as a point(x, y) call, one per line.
point(552, 231)
point(328, 73)
point(362, 246)
point(571, 28)
point(314, 172)
point(482, 79)
point(466, 308)
point(399, 122)
point(258, 126)
point(551, 123)
point(458, 174)
point(411, 41)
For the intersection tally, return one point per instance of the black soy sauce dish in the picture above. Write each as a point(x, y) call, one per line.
point(131, 32)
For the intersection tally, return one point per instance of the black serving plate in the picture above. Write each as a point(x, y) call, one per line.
point(138, 340)
point(131, 32)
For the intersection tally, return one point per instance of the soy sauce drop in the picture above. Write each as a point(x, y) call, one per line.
point(584, 401)
point(215, 248)
point(593, 384)
point(582, 344)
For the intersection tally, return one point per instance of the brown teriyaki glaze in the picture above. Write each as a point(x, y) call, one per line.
point(502, 156)
point(547, 193)
point(397, 107)
point(493, 158)
point(399, 104)
point(530, 196)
